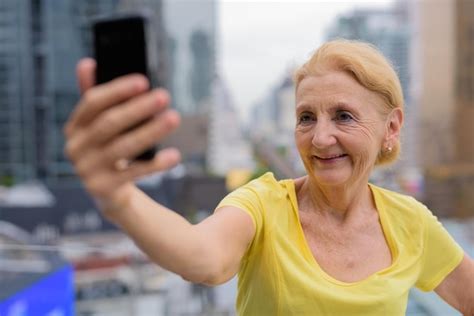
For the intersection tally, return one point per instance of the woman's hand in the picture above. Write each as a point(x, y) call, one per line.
point(101, 144)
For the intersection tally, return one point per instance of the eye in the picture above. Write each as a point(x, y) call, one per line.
point(343, 116)
point(305, 117)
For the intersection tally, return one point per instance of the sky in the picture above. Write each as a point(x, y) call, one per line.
point(260, 40)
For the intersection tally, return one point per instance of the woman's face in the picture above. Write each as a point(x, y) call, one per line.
point(340, 128)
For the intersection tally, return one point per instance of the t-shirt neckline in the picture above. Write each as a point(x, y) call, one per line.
point(290, 184)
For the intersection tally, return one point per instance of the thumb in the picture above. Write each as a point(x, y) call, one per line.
point(85, 72)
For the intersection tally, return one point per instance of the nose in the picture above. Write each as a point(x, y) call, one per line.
point(323, 134)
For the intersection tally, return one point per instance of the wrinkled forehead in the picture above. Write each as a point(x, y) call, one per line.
point(337, 88)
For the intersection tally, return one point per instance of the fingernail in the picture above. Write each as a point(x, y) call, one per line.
point(161, 97)
point(141, 82)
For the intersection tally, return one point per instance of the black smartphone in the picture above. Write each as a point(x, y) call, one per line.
point(123, 45)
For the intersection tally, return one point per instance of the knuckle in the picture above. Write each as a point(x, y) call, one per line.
point(147, 105)
point(139, 108)
point(70, 149)
point(110, 120)
point(90, 98)
point(127, 147)
point(117, 149)
point(149, 134)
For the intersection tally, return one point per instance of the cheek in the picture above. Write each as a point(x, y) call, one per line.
point(302, 140)
point(363, 147)
point(365, 141)
point(303, 145)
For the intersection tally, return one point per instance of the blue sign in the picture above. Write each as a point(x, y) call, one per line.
point(52, 295)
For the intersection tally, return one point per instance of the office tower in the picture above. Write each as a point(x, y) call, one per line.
point(432, 88)
point(444, 79)
point(464, 91)
point(443, 88)
point(17, 118)
point(191, 27)
point(42, 40)
point(227, 149)
point(390, 31)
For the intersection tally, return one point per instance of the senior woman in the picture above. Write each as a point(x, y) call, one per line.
point(328, 243)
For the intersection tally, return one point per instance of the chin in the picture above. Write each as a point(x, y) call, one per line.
point(332, 178)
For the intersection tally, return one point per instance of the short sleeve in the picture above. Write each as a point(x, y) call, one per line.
point(247, 199)
point(441, 253)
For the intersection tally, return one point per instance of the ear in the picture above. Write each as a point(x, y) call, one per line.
point(393, 127)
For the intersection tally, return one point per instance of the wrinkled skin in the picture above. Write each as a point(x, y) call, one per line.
point(340, 129)
point(100, 142)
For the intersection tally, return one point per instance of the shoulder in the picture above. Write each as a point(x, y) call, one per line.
point(394, 201)
point(405, 219)
point(266, 185)
point(260, 193)
point(403, 212)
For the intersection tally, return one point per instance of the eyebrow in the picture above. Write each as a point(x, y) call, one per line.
point(338, 105)
point(345, 105)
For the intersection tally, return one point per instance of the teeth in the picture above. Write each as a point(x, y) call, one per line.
point(331, 157)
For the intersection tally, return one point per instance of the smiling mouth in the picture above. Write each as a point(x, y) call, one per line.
point(330, 157)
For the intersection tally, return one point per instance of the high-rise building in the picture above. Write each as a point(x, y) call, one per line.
point(191, 28)
point(390, 31)
point(464, 93)
point(227, 148)
point(432, 87)
point(272, 133)
point(444, 79)
point(443, 72)
point(42, 40)
point(17, 119)
point(387, 29)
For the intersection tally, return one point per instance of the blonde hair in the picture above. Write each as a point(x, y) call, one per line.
point(369, 67)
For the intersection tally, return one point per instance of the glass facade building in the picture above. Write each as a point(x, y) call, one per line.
point(41, 42)
point(191, 28)
point(389, 30)
point(17, 120)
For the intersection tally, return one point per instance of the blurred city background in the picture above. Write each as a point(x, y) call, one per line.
point(228, 65)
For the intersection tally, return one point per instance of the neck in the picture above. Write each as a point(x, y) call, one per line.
point(338, 202)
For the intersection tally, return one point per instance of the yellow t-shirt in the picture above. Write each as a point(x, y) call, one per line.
point(280, 276)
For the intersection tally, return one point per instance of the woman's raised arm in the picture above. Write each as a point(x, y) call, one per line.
point(103, 136)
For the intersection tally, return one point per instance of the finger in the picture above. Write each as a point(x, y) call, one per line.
point(127, 146)
point(97, 99)
point(74, 146)
point(133, 143)
point(85, 71)
point(121, 118)
point(115, 121)
point(165, 159)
